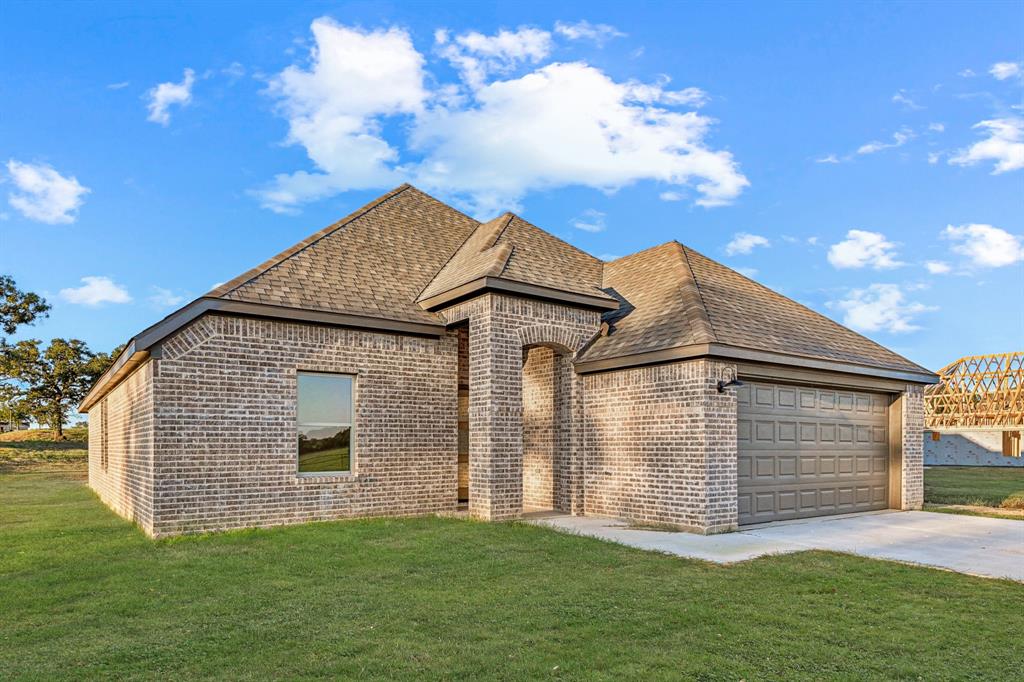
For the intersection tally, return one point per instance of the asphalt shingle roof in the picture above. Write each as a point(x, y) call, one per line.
point(675, 296)
point(406, 247)
point(511, 248)
point(373, 262)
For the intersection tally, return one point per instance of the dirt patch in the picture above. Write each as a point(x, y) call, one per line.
point(977, 510)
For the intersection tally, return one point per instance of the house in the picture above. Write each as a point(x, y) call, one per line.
point(974, 415)
point(411, 360)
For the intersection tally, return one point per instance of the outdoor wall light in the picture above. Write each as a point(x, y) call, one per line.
point(722, 385)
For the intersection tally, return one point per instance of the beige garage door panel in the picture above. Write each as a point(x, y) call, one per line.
point(809, 451)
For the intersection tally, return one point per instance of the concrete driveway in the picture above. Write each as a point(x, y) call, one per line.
point(993, 548)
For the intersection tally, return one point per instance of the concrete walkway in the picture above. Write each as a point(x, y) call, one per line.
point(993, 548)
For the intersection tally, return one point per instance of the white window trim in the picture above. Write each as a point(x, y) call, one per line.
point(352, 427)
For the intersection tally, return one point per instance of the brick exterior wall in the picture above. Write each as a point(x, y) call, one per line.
point(122, 425)
point(661, 445)
point(499, 328)
point(912, 415)
point(226, 448)
point(204, 438)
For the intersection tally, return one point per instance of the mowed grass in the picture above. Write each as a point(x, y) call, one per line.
point(86, 595)
point(981, 486)
point(36, 449)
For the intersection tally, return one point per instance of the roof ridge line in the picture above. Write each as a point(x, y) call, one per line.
point(253, 273)
point(510, 216)
point(693, 299)
point(459, 248)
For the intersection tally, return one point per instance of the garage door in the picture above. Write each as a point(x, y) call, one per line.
point(810, 451)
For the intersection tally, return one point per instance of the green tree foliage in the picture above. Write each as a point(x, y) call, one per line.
point(17, 307)
point(14, 409)
point(53, 380)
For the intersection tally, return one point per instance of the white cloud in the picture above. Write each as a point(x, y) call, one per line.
point(744, 242)
point(880, 307)
point(165, 298)
point(487, 141)
point(334, 110)
point(234, 71)
point(862, 248)
point(476, 56)
point(934, 157)
point(936, 127)
point(671, 196)
point(984, 245)
point(43, 194)
point(813, 241)
point(830, 158)
point(589, 221)
point(608, 257)
point(1003, 70)
point(937, 267)
point(1004, 145)
point(902, 98)
point(967, 73)
point(118, 86)
point(899, 138)
point(599, 33)
point(656, 93)
point(94, 291)
point(165, 95)
point(567, 124)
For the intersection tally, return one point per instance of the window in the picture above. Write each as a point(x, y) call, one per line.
point(325, 423)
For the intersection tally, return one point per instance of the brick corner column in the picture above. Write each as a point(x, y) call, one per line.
point(912, 427)
point(495, 420)
point(719, 425)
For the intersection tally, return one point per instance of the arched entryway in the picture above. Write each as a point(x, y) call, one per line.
point(501, 335)
point(547, 429)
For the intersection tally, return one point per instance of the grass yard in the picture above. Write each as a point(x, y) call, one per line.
point(86, 595)
point(977, 487)
point(35, 449)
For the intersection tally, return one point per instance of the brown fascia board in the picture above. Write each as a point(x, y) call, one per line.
point(718, 350)
point(147, 341)
point(482, 284)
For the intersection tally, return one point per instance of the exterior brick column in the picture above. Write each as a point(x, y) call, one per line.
point(912, 416)
point(495, 421)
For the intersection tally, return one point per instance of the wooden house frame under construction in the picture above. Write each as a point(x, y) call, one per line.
point(977, 394)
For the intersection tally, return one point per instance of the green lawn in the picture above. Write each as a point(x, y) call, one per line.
point(21, 450)
point(980, 486)
point(86, 595)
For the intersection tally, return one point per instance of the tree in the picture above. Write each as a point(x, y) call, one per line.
point(17, 307)
point(55, 379)
point(14, 410)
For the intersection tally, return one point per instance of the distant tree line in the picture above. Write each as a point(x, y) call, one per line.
point(44, 383)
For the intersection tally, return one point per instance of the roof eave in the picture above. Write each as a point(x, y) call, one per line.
point(508, 286)
point(146, 341)
point(718, 350)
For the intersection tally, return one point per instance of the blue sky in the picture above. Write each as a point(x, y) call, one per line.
point(865, 159)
